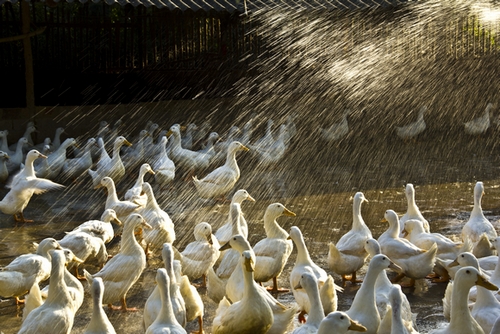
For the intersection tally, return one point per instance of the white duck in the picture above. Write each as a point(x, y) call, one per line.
point(273, 251)
point(86, 247)
point(165, 322)
point(24, 185)
point(55, 161)
point(477, 223)
point(185, 159)
point(130, 256)
point(309, 283)
point(4, 146)
point(114, 167)
point(339, 323)
point(413, 211)
point(200, 255)
point(224, 233)
point(364, 308)
point(187, 139)
point(461, 320)
point(235, 287)
point(162, 226)
point(32, 300)
point(134, 157)
point(135, 194)
point(397, 325)
point(163, 165)
point(273, 152)
point(486, 309)
point(4, 172)
point(192, 299)
point(99, 322)
point(16, 158)
point(412, 130)
point(416, 263)
point(221, 180)
point(268, 137)
point(304, 263)
point(30, 128)
point(56, 315)
point(153, 303)
point(101, 228)
point(479, 125)
point(19, 276)
point(252, 314)
point(122, 208)
point(73, 168)
point(56, 142)
point(336, 131)
point(349, 255)
point(209, 145)
point(383, 288)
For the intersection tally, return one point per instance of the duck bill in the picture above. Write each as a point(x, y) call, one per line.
point(356, 326)
point(225, 246)
point(454, 263)
point(118, 221)
point(146, 225)
point(169, 133)
point(77, 260)
point(404, 233)
point(482, 281)
point(287, 212)
point(250, 198)
point(298, 286)
point(395, 267)
point(383, 220)
point(151, 171)
point(244, 148)
point(249, 265)
point(42, 156)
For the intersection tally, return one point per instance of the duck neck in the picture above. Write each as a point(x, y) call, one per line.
point(128, 244)
point(18, 155)
point(273, 230)
point(357, 220)
point(234, 217)
point(477, 211)
point(397, 320)
point(393, 229)
point(250, 290)
point(151, 203)
point(459, 313)
point(29, 168)
point(412, 205)
point(302, 251)
point(365, 297)
point(99, 317)
point(112, 197)
point(316, 313)
point(231, 161)
point(140, 178)
point(166, 314)
point(58, 291)
point(116, 150)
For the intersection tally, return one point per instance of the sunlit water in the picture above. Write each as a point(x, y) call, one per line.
point(383, 67)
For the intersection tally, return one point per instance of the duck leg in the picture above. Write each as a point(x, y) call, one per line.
point(21, 218)
point(302, 318)
point(19, 301)
point(275, 288)
point(200, 325)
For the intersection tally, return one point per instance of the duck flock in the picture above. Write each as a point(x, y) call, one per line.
point(243, 280)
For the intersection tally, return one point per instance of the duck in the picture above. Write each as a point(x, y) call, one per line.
point(479, 125)
point(447, 248)
point(272, 153)
point(416, 263)
point(348, 255)
point(4, 145)
point(122, 208)
point(413, 212)
point(304, 263)
point(336, 131)
point(208, 147)
point(486, 309)
point(100, 228)
point(478, 223)
point(99, 322)
point(113, 167)
point(18, 277)
point(187, 139)
point(166, 321)
point(4, 172)
point(235, 287)
point(86, 247)
point(56, 314)
point(221, 146)
point(74, 168)
point(162, 226)
point(56, 141)
point(30, 128)
point(228, 260)
point(74, 286)
point(383, 288)
point(309, 282)
point(135, 194)
point(192, 299)
point(339, 323)
point(16, 159)
point(32, 300)
point(412, 130)
point(397, 324)
point(273, 251)
point(483, 247)
point(187, 160)
point(268, 138)
point(252, 314)
point(364, 308)
point(24, 185)
point(221, 180)
point(134, 157)
point(130, 256)
point(461, 320)
point(164, 167)
point(199, 255)
point(224, 233)
point(55, 161)
point(153, 303)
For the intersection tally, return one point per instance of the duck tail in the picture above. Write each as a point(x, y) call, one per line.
point(88, 277)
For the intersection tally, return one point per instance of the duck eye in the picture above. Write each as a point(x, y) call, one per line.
point(468, 271)
point(342, 317)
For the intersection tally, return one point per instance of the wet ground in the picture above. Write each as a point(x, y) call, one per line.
point(317, 182)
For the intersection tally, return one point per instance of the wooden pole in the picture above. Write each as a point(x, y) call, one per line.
point(28, 59)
